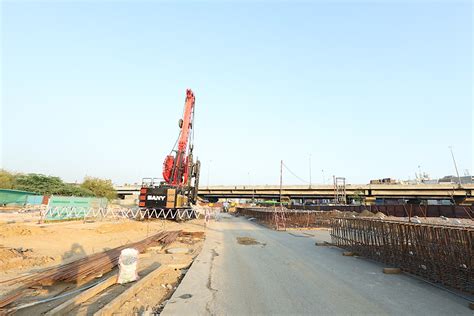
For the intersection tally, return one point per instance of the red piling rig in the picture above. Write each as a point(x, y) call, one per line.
point(176, 168)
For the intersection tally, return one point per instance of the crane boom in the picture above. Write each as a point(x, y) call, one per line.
point(176, 168)
point(187, 120)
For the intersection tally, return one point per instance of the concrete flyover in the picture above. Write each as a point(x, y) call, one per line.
point(369, 192)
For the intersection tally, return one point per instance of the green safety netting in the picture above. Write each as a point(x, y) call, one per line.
point(13, 197)
point(71, 207)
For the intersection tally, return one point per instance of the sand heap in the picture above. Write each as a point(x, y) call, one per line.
point(15, 230)
point(18, 258)
point(366, 213)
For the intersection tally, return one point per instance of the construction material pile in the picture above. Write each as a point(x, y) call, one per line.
point(276, 217)
point(82, 270)
point(398, 210)
point(440, 253)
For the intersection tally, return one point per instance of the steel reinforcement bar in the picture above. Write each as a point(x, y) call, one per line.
point(282, 218)
point(442, 254)
point(399, 210)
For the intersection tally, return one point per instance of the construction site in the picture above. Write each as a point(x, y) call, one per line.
point(236, 159)
point(181, 250)
point(204, 265)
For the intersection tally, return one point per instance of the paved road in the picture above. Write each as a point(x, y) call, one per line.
point(286, 274)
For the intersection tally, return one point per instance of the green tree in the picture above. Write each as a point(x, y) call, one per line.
point(7, 179)
point(47, 185)
point(358, 196)
point(75, 190)
point(100, 187)
point(39, 183)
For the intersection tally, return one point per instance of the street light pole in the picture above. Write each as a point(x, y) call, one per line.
point(281, 182)
point(209, 173)
point(251, 184)
point(455, 165)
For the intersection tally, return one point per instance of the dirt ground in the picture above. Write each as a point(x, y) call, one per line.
point(150, 298)
point(415, 219)
point(26, 246)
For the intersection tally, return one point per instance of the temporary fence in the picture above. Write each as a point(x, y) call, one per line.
point(75, 201)
point(69, 213)
point(8, 197)
point(137, 213)
point(71, 207)
point(440, 253)
point(35, 199)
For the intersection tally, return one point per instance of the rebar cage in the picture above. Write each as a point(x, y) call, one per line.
point(440, 253)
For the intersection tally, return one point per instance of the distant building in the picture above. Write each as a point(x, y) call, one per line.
point(430, 181)
point(454, 179)
point(384, 181)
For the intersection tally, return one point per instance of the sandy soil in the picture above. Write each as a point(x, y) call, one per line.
point(26, 246)
point(150, 298)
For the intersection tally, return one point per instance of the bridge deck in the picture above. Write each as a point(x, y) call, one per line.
point(394, 191)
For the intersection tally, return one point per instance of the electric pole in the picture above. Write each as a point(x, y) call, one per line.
point(209, 172)
point(455, 165)
point(281, 182)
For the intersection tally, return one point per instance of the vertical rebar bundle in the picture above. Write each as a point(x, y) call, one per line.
point(282, 218)
point(440, 253)
point(340, 197)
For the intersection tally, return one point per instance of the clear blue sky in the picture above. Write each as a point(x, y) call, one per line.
point(369, 89)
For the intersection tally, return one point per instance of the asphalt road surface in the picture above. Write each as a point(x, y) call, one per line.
point(284, 273)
